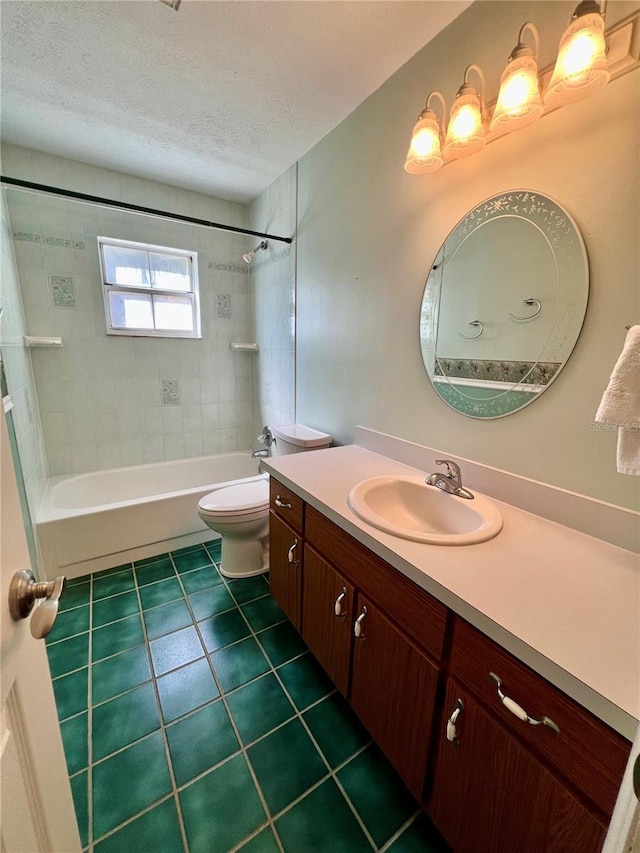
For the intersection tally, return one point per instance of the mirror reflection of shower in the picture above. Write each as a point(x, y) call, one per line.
point(248, 257)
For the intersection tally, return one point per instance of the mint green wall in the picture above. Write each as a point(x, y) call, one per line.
point(368, 232)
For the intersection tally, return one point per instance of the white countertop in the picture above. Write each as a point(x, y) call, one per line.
point(565, 603)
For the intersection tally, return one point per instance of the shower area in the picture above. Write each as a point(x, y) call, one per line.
point(89, 407)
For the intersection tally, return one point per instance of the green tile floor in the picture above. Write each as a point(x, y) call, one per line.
point(194, 720)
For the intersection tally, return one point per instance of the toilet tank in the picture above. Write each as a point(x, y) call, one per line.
point(296, 438)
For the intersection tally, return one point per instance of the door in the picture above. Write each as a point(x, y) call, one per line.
point(35, 799)
point(393, 691)
point(490, 795)
point(327, 616)
point(285, 568)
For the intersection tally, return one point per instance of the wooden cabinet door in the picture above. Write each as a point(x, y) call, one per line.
point(327, 617)
point(285, 568)
point(393, 691)
point(491, 795)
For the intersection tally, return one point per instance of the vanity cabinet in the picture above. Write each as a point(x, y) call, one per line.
point(496, 782)
point(286, 550)
point(524, 768)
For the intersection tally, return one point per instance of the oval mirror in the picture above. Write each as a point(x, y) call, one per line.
point(504, 303)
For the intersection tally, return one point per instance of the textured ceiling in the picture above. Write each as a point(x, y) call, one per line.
point(219, 97)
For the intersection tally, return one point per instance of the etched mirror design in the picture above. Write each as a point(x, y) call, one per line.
point(504, 304)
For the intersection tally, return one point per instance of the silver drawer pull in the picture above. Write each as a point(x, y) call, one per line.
point(357, 627)
point(338, 605)
point(451, 722)
point(518, 710)
point(279, 503)
point(291, 553)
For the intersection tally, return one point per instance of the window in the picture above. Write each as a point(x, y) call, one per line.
point(149, 290)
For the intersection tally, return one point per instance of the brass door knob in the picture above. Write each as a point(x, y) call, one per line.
point(24, 591)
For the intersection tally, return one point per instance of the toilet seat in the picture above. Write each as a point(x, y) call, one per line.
point(242, 499)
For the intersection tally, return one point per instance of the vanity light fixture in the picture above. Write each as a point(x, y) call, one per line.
point(519, 102)
point(465, 133)
point(425, 155)
point(581, 66)
point(580, 70)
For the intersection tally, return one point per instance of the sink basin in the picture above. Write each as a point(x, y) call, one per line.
point(408, 508)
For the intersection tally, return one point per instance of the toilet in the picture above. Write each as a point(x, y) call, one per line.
point(240, 513)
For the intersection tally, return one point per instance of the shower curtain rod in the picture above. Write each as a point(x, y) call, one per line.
point(135, 208)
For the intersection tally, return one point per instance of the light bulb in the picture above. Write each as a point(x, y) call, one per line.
point(424, 154)
point(581, 67)
point(519, 101)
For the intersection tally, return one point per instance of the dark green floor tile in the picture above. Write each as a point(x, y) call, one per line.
point(167, 618)
point(153, 572)
point(75, 596)
point(154, 559)
point(286, 764)
point(114, 570)
point(176, 649)
point(246, 589)
point(159, 593)
point(119, 673)
point(281, 643)
point(200, 741)
point(158, 830)
point(322, 822)
point(420, 837)
point(223, 629)
point(113, 584)
point(239, 663)
point(305, 681)
point(337, 730)
point(128, 782)
point(211, 601)
point(117, 607)
point(68, 655)
point(214, 549)
point(69, 623)
point(75, 737)
point(200, 579)
point(263, 613)
point(116, 637)
point(195, 559)
point(80, 792)
point(263, 842)
point(377, 793)
point(186, 688)
point(71, 693)
point(187, 549)
point(78, 581)
point(222, 808)
point(123, 720)
point(259, 707)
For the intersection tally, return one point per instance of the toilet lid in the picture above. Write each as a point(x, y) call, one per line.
point(237, 500)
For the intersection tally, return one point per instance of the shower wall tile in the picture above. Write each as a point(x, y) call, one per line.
point(112, 389)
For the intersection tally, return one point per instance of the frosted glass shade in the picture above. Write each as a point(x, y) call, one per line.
point(465, 133)
point(519, 102)
point(581, 67)
point(424, 154)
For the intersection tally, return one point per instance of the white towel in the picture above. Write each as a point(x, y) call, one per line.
point(620, 404)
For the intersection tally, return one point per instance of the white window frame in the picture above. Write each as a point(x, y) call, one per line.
point(193, 295)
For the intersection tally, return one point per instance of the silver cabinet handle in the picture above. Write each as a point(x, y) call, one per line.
point(291, 553)
point(24, 591)
point(338, 605)
point(518, 710)
point(451, 722)
point(279, 503)
point(357, 627)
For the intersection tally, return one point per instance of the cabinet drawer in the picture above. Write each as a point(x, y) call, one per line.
point(586, 752)
point(286, 504)
point(418, 613)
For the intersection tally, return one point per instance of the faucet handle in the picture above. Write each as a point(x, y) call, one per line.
point(453, 469)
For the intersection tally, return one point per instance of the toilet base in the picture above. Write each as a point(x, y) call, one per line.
point(244, 559)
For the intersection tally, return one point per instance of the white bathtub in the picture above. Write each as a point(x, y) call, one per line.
point(89, 522)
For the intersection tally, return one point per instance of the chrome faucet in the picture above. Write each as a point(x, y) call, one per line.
point(450, 482)
point(267, 438)
point(261, 454)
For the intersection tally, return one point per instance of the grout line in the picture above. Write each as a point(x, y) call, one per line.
point(400, 831)
point(90, 726)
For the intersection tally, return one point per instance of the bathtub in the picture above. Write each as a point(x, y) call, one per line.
point(94, 521)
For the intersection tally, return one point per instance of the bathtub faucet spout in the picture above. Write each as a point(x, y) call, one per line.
point(260, 454)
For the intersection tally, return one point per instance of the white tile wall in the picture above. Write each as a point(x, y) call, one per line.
point(272, 277)
point(100, 395)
